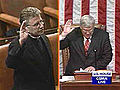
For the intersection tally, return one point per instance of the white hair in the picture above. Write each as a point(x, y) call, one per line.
point(87, 21)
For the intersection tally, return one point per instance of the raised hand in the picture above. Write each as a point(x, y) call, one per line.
point(23, 33)
point(67, 28)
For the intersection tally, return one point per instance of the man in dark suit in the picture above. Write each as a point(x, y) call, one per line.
point(89, 47)
point(30, 54)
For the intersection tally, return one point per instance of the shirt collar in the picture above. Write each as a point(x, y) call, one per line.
point(34, 37)
point(86, 38)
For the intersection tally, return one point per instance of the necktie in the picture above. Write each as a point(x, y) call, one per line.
point(86, 46)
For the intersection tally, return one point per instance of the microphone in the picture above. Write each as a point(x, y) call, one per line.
point(95, 58)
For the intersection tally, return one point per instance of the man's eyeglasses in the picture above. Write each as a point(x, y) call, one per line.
point(41, 22)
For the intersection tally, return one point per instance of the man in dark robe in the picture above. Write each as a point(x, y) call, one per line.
point(30, 54)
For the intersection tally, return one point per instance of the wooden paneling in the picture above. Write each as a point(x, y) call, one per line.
point(10, 10)
point(84, 85)
point(51, 11)
point(9, 19)
point(52, 3)
point(6, 74)
point(14, 7)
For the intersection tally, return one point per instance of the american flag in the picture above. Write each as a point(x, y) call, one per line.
point(106, 12)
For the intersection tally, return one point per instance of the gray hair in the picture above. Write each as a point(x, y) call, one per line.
point(28, 13)
point(87, 21)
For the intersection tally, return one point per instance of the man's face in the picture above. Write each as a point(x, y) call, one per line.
point(87, 31)
point(35, 26)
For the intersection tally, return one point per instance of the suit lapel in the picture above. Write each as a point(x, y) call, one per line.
point(47, 44)
point(79, 46)
point(93, 42)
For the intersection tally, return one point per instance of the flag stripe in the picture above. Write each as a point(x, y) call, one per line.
point(94, 9)
point(110, 24)
point(61, 12)
point(102, 12)
point(68, 9)
point(105, 12)
point(85, 7)
point(76, 11)
point(117, 36)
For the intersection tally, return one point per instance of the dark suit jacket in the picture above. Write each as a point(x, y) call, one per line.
point(99, 42)
point(31, 71)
